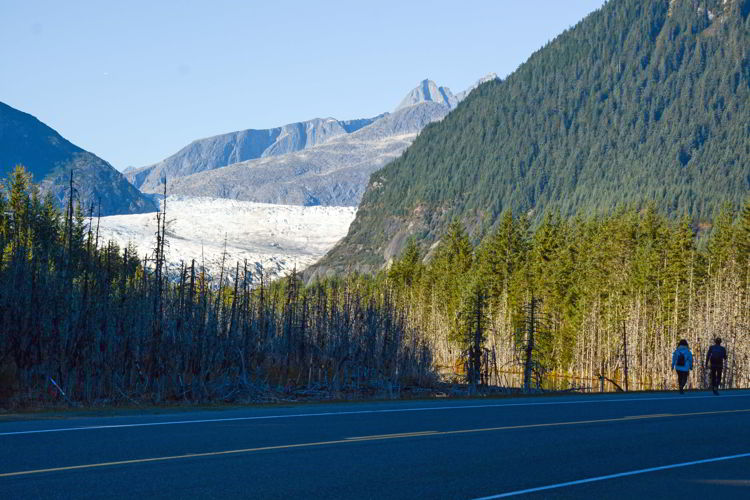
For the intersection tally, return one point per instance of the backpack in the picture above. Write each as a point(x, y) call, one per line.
point(681, 359)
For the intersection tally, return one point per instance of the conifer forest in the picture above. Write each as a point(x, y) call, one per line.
point(583, 303)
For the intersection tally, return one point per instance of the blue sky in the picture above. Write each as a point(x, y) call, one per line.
point(135, 81)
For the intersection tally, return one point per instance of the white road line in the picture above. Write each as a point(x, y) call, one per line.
point(366, 412)
point(614, 476)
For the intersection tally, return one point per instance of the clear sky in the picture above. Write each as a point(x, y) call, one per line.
point(134, 81)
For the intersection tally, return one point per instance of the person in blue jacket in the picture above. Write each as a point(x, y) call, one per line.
point(682, 362)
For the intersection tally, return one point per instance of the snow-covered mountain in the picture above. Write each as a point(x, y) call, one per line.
point(212, 231)
point(279, 198)
point(333, 171)
point(226, 149)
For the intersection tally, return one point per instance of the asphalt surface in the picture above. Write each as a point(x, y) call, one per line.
point(561, 447)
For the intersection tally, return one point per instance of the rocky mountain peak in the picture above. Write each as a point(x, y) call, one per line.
point(428, 91)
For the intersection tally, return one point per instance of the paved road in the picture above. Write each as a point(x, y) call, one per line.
point(561, 447)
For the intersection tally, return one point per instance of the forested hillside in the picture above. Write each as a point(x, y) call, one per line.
point(641, 101)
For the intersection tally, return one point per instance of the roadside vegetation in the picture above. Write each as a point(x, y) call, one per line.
point(85, 322)
point(583, 298)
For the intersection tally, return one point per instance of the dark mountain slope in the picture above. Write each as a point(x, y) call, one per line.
point(49, 157)
point(642, 100)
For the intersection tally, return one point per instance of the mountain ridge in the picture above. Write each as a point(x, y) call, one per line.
point(225, 149)
point(49, 157)
point(331, 170)
point(333, 173)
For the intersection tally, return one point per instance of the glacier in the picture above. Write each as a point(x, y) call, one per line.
point(216, 231)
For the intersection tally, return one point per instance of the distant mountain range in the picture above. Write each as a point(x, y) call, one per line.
point(334, 173)
point(26, 141)
point(226, 149)
point(640, 103)
point(317, 162)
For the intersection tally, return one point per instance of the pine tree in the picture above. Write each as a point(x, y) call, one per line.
point(449, 270)
point(19, 203)
point(407, 270)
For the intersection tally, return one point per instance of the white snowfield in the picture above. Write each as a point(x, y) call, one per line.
point(209, 230)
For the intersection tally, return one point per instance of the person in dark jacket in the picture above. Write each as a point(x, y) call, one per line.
point(682, 361)
point(716, 357)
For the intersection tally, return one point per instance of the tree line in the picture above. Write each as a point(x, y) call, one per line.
point(84, 321)
point(607, 296)
point(556, 306)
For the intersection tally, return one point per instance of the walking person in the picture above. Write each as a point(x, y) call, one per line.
point(716, 357)
point(682, 362)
